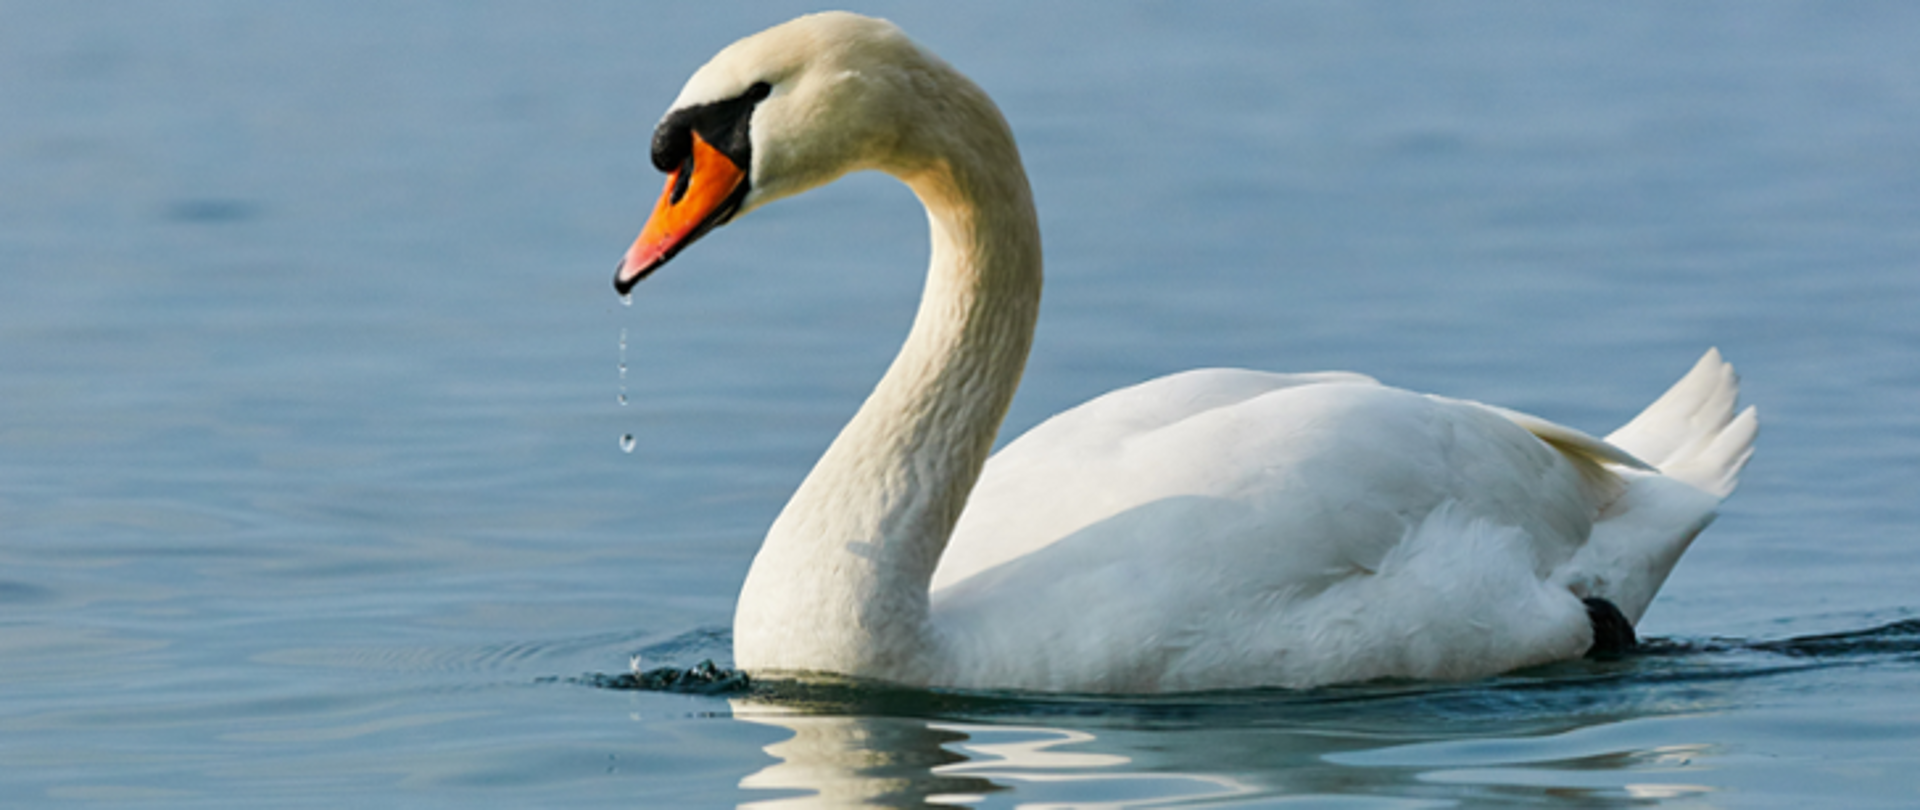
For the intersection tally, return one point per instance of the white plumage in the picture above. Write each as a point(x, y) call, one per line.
point(1212, 529)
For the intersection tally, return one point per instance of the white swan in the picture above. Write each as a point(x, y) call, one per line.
point(1212, 529)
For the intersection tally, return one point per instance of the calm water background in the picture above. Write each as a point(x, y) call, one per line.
point(311, 485)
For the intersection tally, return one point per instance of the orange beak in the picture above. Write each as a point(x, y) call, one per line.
point(704, 192)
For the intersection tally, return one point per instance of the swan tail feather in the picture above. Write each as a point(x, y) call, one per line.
point(1693, 432)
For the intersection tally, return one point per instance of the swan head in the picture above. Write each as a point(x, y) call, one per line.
point(785, 110)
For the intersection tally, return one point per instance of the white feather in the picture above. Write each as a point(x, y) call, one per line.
point(1212, 529)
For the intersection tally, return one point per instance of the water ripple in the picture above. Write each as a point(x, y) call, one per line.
point(1667, 670)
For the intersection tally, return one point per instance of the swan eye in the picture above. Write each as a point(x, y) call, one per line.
point(759, 91)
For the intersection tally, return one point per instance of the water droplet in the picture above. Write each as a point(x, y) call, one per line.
point(626, 299)
point(623, 366)
point(626, 440)
point(623, 354)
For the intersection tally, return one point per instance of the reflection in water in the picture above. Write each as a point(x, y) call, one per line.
point(1580, 733)
point(840, 761)
point(1040, 763)
point(1642, 729)
point(843, 760)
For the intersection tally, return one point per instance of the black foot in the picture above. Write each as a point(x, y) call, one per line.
point(1612, 633)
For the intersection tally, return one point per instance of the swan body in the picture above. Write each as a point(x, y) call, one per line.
point(1217, 528)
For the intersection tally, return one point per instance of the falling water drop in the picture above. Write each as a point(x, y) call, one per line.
point(626, 439)
point(623, 366)
point(626, 299)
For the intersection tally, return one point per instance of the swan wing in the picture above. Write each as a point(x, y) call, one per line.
point(1000, 524)
point(1314, 530)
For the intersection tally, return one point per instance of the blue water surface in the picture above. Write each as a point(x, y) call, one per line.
point(314, 390)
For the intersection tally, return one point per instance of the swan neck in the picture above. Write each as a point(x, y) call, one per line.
point(841, 583)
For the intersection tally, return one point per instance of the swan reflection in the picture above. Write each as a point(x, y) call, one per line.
point(841, 761)
point(1552, 738)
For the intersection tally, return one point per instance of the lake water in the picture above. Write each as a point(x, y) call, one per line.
point(312, 487)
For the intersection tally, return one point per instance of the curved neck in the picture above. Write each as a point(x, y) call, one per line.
point(841, 583)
